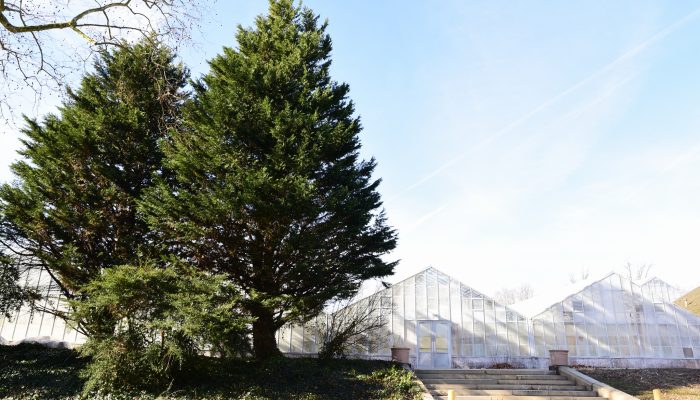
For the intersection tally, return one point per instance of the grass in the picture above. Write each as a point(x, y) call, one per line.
point(693, 298)
point(35, 372)
point(675, 383)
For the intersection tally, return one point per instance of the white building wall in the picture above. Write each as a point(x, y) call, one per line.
point(29, 325)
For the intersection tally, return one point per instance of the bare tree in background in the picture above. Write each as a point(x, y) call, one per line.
point(508, 296)
point(349, 324)
point(582, 275)
point(42, 41)
point(637, 273)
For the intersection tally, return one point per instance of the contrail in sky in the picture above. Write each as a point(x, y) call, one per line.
point(685, 158)
point(658, 36)
point(426, 217)
point(576, 113)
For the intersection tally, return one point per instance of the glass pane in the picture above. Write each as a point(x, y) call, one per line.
point(442, 333)
point(421, 299)
point(425, 339)
point(410, 299)
point(432, 293)
point(425, 344)
point(441, 345)
point(443, 290)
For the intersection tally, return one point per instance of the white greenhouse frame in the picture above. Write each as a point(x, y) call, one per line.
point(611, 321)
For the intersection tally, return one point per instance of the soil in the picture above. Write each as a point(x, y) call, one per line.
point(674, 383)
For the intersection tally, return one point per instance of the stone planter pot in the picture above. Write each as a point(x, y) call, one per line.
point(558, 358)
point(400, 354)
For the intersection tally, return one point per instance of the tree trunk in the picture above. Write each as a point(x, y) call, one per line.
point(264, 343)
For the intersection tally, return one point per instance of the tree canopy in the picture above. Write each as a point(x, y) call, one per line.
point(255, 183)
point(72, 208)
point(270, 188)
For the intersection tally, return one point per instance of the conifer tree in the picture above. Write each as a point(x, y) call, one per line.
point(72, 208)
point(271, 189)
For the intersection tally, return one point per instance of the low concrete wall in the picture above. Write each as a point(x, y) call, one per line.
point(543, 362)
point(602, 389)
point(352, 356)
point(487, 362)
point(635, 363)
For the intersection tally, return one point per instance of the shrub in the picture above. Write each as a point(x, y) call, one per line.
point(503, 365)
point(147, 325)
point(350, 325)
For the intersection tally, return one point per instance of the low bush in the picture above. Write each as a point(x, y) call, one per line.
point(149, 324)
point(503, 365)
point(34, 372)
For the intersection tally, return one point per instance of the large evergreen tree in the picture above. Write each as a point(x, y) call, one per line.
point(271, 190)
point(72, 208)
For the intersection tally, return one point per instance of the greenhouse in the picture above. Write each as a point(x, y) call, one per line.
point(44, 327)
point(612, 321)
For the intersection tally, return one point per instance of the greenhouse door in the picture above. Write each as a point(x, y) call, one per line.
point(434, 344)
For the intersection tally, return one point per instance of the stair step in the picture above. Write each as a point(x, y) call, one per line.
point(504, 384)
point(441, 386)
point(559, 382)
point(496, 392)
point(470, 377)
point(505, 397)
point(487, 371)
point(452, 386)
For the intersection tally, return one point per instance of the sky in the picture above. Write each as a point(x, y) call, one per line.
point(518, 142)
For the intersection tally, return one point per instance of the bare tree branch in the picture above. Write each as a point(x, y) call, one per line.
point(637, 273)
point(44, 42)
point(582, 275)
point(350, 324)
point(508, 296)
point(73, 23)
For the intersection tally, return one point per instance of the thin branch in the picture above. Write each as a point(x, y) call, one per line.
point(72, 23)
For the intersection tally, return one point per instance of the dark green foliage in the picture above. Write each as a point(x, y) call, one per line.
point(270, 187)
point(29, 371)
point(72, 208)
point(164, 318)
point(305, 378)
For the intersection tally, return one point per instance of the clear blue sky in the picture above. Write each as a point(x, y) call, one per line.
point(519, 141)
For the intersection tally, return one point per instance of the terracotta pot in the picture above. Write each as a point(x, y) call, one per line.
point(558, 358)
point(400, 354)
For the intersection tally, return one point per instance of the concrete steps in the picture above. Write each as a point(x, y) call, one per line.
point(520, 392)
point(486, 371)
point(521, 381)
point(436, 397)
point(518, 377)
point(503, 384)
point(503, 387)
